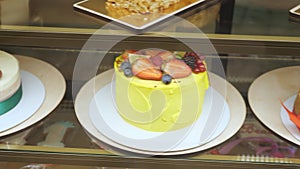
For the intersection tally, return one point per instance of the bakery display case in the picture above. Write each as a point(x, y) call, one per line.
point(253, 57)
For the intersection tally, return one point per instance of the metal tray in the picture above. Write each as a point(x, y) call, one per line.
point(135, 21)
point(294, 14)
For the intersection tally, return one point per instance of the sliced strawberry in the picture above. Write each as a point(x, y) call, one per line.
point(127, 52)
point(157, 60)
point(133, 56)
point(150, 52)
point(177, 69)
point(150, 74)
point(145, 69)
point(166, 55)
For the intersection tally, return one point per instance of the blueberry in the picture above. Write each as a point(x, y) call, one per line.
point(128, 72)
point(125, 65)
point(166, 79)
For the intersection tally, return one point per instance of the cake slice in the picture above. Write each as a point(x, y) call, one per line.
point(296, 108)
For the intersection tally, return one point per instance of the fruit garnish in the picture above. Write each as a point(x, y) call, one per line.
point(201, 67)
point(150, 52)
point(145, 69)
point(179, 54)
point(125, 65)
point(128, 72)
point(195, 62)
point(126, 53)
point(166, 79)
point(177, 69)
point(190, 61)
point(133, 56)
point(153, 64)
point(157, 60)
point(166, 55)
point(293, 117)
point(191, 54)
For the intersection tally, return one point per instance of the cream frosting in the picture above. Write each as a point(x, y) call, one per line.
point(154, 106)
point(10, 80)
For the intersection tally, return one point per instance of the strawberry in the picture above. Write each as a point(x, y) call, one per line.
point(150, 52)
point(166, 55)
point(177, 69)
point(145, 69)
point(157, 60)
point(133, 56)
point(126, 53)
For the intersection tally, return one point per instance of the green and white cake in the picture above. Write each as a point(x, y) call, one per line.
point(10, 82)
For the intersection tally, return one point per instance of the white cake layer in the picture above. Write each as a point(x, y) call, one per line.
point(10, 80)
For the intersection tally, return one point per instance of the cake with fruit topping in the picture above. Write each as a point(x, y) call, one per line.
point(10, 82)
point(158, 90)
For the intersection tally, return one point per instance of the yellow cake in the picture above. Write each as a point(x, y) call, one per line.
point(10, 82)
point(149, 100)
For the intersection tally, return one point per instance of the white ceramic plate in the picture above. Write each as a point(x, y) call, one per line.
point(107, 121)
point(33, 92)
point(266, 91)
point(233, 99)
point(54, 85)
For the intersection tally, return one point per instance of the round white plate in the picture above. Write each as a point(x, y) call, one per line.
point(290, 126)
point(211, 123)
point(33, 92)
point(233, 98)
point(266, 91)
point(54, 85)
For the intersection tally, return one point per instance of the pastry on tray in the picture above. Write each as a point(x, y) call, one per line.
point(295, 114)
point(159, 90)
point(142, 6)
point(296, 108)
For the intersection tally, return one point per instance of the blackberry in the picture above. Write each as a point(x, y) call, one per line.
point(190, 61)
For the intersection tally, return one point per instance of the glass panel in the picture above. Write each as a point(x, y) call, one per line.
point(254, 142)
